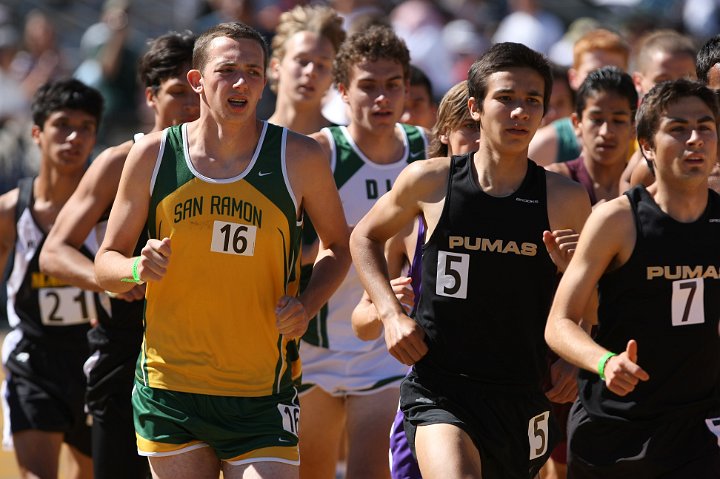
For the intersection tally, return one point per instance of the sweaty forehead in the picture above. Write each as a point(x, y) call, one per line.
point(228, 50)
point(520, 78)
point(376, 69)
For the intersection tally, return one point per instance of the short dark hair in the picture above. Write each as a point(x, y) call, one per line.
point(376, 43)
point(234, 30)
point(502, 56)
point(419, 78)
point(656, 101)
point(606, 79)
point(166, 57)
point(707, 57)
point(65, 94)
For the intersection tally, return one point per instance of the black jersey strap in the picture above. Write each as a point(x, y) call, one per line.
point(25, 199)
point(25, 196)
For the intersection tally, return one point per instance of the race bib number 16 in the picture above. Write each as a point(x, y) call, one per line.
point(233, 238)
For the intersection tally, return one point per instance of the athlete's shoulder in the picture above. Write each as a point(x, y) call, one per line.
point(559, 168)
point(8, 203)
point(303, 145)
point(568, 203)
point(431, 166)
point(561, 185)
point(614, 211)
point(322, 138)
point(423, 179)
point(113, 155)
point(108, 164)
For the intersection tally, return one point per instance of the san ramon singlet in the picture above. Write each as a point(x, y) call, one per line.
point(360, 183)
point(210, 322)
point(487, 283)
point(667, 298)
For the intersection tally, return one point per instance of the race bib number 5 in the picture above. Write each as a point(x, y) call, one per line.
point(452, 274)
point(538, 435)
point(65, 306)
point(233, 238)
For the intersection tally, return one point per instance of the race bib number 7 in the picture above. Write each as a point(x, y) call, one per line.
point(688, 302)
point(233, 238)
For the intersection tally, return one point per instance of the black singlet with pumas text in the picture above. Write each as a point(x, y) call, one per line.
point(488, 283)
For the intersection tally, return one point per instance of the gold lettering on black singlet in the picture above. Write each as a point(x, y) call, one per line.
point(492, 246)
point(40, 280)
point(682, 272)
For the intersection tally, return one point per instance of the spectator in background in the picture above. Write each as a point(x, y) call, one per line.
point(701, 17)
point(15, 141)
point(112, 50)
point(464, 43)
point(352, 10)
point(39, 58)
point(14, 102)
point(530, 25)
point(420, 24)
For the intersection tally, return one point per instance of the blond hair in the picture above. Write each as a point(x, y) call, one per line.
point(452, 113)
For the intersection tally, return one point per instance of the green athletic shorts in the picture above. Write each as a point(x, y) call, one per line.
point(239, 429)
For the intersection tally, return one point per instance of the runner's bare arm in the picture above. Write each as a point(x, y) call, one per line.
point(60, 256)
point(606, 242)
point(114, 261)
point(8, 228)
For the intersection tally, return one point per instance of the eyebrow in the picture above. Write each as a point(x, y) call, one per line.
point(703, 119)
point(221, 63)
point(512, 90)
point(597, 110)
point(376, 79)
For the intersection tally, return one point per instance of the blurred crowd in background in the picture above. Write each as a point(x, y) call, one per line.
point(99, 42)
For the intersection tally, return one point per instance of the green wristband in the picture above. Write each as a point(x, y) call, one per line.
point(601, 364)
point(135, 273)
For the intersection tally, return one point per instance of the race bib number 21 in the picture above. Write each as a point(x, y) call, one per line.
point(65, 306)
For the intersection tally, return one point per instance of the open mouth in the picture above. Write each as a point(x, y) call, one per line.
point(237, 102)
